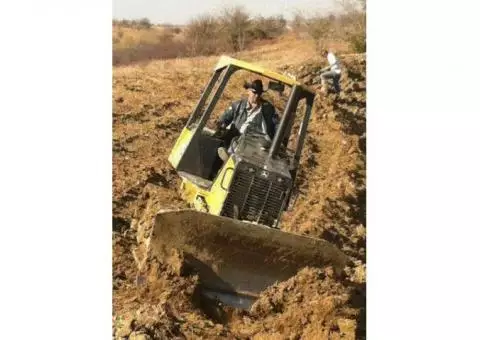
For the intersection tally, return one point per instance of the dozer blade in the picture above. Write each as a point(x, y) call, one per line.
point(237, 260)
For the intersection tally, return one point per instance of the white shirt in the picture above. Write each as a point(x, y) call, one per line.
point(332, 60)
point(252, 113)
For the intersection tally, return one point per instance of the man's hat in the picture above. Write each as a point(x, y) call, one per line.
point(255, 86)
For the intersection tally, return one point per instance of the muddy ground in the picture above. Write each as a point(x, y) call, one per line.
point(150, 109)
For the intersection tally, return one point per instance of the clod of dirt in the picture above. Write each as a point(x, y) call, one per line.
point(124, 329)
point(139, 336)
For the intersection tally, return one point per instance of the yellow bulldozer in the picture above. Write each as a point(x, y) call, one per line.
point(231, 234)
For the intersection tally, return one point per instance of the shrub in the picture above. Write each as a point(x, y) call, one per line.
point(202, 35)
point(267, 28)
point(298, 22)
point(321, 27)
point(144, 23)
point(355, 22)
point(235, 24)
point(349, 27)
point(165, 47)
point(357, 38)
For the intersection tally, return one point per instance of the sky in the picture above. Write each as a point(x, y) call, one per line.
point(180, 11)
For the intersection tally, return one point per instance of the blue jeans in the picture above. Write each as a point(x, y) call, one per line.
point(233, 145)
point(331, 75)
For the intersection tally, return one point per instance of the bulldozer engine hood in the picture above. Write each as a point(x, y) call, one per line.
point(254, 149)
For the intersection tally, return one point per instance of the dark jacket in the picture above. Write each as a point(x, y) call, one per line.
point(237, 114)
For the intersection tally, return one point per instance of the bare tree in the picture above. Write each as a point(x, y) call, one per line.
point(352, 6)
point(235, 26)
point(201, 35)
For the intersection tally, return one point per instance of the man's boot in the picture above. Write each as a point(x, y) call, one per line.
point(223, 154)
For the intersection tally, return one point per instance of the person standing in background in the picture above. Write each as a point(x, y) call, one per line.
point(332, 71)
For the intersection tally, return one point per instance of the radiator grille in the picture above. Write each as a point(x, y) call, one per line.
point(255, 198)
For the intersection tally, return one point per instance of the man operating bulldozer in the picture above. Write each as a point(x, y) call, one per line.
point(252, 115)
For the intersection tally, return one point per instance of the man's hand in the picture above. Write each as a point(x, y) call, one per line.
point(221, 125)
point(220, 131)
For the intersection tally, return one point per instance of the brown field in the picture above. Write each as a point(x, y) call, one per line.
point(151, 104)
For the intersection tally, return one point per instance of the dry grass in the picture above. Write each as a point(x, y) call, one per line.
point(232, 30)
point(132, 44)
point(130, 37)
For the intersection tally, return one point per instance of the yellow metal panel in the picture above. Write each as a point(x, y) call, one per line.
point(180, 146)
point(213, 197)
point(188, 191)
point(217, 194)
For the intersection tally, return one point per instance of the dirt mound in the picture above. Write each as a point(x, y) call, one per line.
point(151, 300)
point(310, 305)
point(160, 304)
